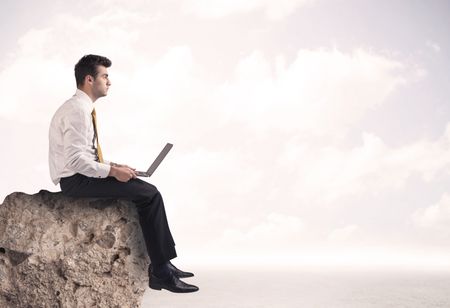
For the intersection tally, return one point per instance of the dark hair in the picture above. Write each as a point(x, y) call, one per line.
point(88, 66)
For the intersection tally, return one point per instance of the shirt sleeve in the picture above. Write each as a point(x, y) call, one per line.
point(76, 142)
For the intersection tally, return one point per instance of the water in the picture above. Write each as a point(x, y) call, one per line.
point(300, 288)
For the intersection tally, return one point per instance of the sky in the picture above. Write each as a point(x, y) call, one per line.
point(305, 132)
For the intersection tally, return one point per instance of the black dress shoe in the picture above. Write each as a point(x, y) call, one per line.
point(177, 272)
point(172, 284)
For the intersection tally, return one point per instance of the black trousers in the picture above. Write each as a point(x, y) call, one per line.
point(148, 201)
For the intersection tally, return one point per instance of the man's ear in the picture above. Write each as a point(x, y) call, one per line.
point(89, 78)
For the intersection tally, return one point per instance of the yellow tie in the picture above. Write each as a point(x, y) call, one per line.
point(99, 149)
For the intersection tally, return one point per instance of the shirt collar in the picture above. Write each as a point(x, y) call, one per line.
point(82, 96)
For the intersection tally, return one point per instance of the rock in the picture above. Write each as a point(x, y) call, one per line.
point(57, 251)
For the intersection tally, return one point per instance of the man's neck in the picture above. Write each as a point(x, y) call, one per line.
point(88, 93)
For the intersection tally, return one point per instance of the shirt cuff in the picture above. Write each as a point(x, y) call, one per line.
point(103, 170)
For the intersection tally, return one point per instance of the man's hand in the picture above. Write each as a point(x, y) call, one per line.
point(122, 173)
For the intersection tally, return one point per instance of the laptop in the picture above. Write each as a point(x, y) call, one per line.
point(156, 163)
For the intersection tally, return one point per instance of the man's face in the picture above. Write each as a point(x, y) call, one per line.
point(101, 82)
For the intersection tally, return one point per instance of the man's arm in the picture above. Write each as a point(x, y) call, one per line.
point(75, 131)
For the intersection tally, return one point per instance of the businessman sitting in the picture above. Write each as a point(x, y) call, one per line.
point(76, 163)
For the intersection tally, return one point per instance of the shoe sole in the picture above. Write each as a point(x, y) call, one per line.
point(159, 288)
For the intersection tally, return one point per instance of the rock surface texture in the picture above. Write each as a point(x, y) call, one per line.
point(57, 251)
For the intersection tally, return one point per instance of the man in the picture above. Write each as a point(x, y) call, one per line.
point(78, 165)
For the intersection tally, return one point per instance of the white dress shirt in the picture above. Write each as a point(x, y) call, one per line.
point(71, 141)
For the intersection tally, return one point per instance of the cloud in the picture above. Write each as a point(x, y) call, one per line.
point(326, 174)
point(40, 58)
point(272, 231)
point(221, 8)
point(264, 128)
point(322, 92)
point(253, 150)
point(342, 234)
point(434, 216)
point(434, 46)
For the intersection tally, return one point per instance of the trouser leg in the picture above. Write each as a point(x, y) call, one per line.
point(148, 201)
